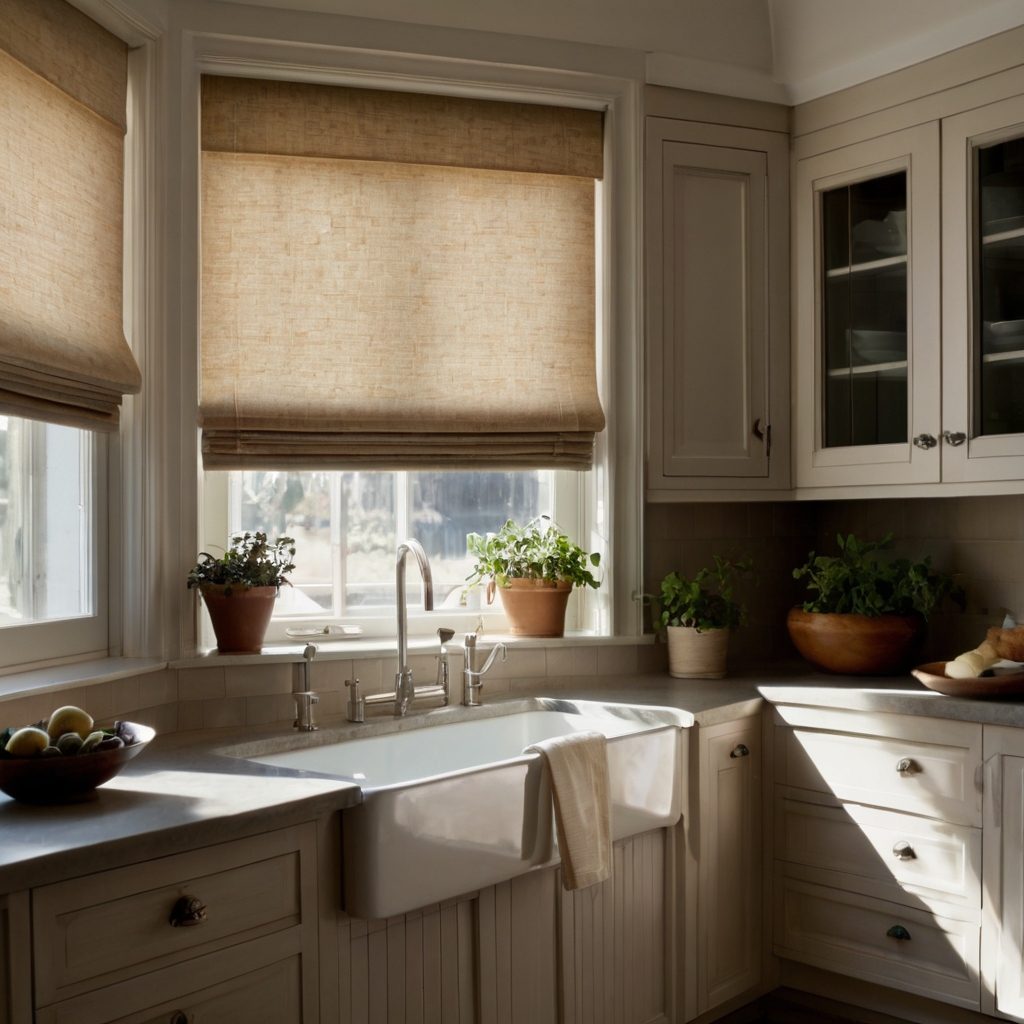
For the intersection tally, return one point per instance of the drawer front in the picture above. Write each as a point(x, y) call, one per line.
point(925, 766)
point(104, 928)
point(884, 853)
point(850, 934)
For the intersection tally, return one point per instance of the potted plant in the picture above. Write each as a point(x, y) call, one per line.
point(534, 568)
point(866, 618)
point(697, 616)
point(240, 589)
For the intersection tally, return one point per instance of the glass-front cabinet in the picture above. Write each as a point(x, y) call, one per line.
point(983, 293)
point(867, 305)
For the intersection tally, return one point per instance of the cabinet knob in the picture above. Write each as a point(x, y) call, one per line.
point(179, 1017)
point(897, 931)
point(188, 911)
point(954, 439)
point(925, 441)
point(907, 766)
point(903, 851)
point(740, 750)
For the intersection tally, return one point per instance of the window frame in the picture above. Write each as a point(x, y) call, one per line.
point(614, 488)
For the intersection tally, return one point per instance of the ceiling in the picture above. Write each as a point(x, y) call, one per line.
point(782, 50)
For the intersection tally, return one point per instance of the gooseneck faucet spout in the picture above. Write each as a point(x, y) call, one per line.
point(404, 686)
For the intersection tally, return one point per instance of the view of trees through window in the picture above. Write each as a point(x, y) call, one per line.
point(347, 525)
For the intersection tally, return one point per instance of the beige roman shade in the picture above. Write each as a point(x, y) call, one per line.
point(63, 82)
point(394, 280)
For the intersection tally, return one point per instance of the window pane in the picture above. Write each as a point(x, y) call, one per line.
point(368, 536)
point(445, 507)
point(45, 516)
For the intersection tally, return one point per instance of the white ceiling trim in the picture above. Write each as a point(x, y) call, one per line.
point(678, 72)
point(941, 39)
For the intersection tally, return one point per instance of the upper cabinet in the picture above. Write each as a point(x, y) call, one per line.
point(983, 293)
point(867, 313)
point(717, 223)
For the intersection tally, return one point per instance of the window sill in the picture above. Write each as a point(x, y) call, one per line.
point(375, 647)
point(67, 677)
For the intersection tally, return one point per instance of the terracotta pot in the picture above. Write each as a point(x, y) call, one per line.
point(696, 655)
point(535, 607)
point(240, 615)
point(857, 645)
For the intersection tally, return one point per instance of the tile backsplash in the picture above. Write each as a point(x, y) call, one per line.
point(979, 539)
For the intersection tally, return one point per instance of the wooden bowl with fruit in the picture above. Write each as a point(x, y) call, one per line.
point(65, 758)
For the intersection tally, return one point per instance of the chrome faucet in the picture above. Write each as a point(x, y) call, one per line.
point(472, 679)
point(405, 689)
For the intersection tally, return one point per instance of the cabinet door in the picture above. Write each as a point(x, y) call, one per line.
point(717, 305)
point(15, 965)
point(729, 896)
point(1009, 979)
point(867, 348)
point(983, 293)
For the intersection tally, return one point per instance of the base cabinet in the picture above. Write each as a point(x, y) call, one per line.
point(15, 960)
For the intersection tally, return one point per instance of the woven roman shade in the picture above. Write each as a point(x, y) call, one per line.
point(396, 281)
point(63, 83)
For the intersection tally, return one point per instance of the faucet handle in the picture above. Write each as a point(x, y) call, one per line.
point(445, 634)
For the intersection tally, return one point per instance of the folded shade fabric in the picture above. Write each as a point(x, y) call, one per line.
point(395, 281)
point(63, 84)
point(581, 791)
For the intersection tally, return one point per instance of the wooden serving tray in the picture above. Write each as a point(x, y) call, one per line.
point(933, 675)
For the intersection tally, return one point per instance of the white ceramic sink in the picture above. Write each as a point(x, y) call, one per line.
point(451, 807)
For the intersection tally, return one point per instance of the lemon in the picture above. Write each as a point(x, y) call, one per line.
point(27, 742)
point(69, 719)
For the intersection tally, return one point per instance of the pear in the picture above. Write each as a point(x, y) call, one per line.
point(28, 742)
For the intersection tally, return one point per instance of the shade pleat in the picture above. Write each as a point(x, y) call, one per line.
point(378, 312)
point(63, 82)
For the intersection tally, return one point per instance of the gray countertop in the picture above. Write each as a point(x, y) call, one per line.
point(181, 793)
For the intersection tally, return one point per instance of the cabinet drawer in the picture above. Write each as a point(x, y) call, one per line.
point(925, 766)
point(935, 859)
point(100, 929)
point(848, 933)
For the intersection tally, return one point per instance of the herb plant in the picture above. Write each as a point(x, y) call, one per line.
point(251, 561)
point(853, 582)
point(705, 602)
point(537, 551)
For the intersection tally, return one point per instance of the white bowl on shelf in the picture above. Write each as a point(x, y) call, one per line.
point(878, 346)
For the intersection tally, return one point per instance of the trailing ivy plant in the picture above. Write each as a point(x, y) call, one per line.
point(251, 561)
point(537, 551)
point(705, 602)
point(854, 582)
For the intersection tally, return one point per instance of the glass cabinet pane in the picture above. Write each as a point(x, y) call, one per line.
point(864, 312)
point(999, 408)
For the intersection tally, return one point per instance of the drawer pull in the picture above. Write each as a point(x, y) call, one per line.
point(903, 851)
point(740, 750)
point(897, 931)
point(179, 1018)
point(907, 766)
point(188, 911)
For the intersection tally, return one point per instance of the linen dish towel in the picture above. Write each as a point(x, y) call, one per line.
point(583, 811)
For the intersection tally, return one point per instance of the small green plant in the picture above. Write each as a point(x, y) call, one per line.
point(251, 561)
point(853, 582)
point(705, 602)
point(537, 551)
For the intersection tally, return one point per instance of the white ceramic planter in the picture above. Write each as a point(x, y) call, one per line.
point(696, 655)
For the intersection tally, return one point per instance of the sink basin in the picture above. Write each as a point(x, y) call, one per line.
point(451, 803)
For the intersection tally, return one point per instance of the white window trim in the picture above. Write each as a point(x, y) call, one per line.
point(617, 478)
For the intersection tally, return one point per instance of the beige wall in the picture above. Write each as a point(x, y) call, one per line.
point(981, 540)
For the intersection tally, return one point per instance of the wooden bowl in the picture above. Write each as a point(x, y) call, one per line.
point(933, 675)
point(857, 645)
point(63, 780)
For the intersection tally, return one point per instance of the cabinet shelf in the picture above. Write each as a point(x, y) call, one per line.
point(1002, 237)
point(1014, 356)
point(842, 371)
point(867, 268)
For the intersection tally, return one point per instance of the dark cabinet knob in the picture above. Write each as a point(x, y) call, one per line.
point(189, 910)
point(740, 750)
point(897, 931)
point(179, 1017)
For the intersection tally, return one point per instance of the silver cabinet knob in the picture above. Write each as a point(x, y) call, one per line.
point(903, 851)
point(907, 766)
point(740, 750)
point(897, 931)
point(954, 439)
point(925, 441)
